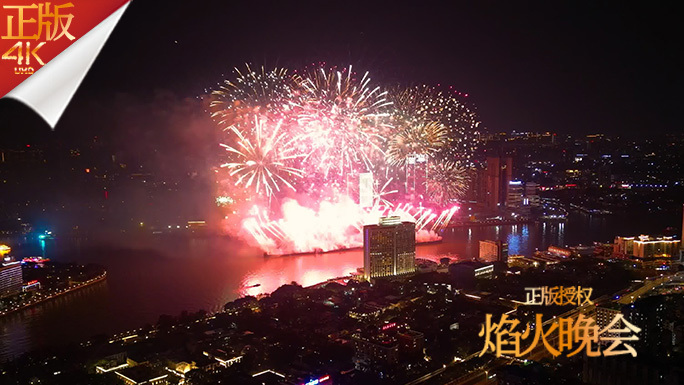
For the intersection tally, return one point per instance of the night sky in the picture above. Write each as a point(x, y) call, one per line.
point(575, 67)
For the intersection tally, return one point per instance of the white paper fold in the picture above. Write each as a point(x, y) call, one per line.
point(49, 90)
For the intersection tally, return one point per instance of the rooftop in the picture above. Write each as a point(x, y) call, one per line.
point(141, 373)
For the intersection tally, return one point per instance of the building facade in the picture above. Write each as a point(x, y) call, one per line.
point(10, 279)
point(532, 198)
point(389, 248)
point(516, 191)
point(645, 246)
point(491, 251)
point(498, 175)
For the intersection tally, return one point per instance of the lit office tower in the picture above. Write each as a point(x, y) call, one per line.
point(515, 194)
point(389, 248)
point(491, 251)
point(10, 278)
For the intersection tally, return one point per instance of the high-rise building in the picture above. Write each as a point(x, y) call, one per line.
point(373, 353)
point(498, 174)
point(532, 195)
point(491, 251)
point(516, 191)
point(10, 278)
point(605, 314)
point(658, 317)
point(416, 174)
point(380, 349)
point(389, 248)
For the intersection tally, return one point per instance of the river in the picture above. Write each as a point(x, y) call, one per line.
point(151, 276)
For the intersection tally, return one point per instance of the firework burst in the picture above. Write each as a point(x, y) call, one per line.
point(301, 140)
point(447, 181)
point(262, 160)
point(419, 106)
point(380, 196)
point(268, 93)
point(423, 138)
point(341, 117)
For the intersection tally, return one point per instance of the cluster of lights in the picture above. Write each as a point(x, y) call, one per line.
point(224, 200)
point(50, 293)
point(317, 381)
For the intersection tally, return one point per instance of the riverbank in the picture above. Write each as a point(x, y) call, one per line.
point(43, 299)
point(503, 222)
point(342, 250)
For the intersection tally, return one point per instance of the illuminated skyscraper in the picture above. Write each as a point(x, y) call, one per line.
point(10, 278)
point(416, 173)
point(516, 191)
point(491, 251)
point(389, 248)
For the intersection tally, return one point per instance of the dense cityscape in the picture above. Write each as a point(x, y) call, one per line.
point(593, 172)
point(312, 223)
point(418, 320)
